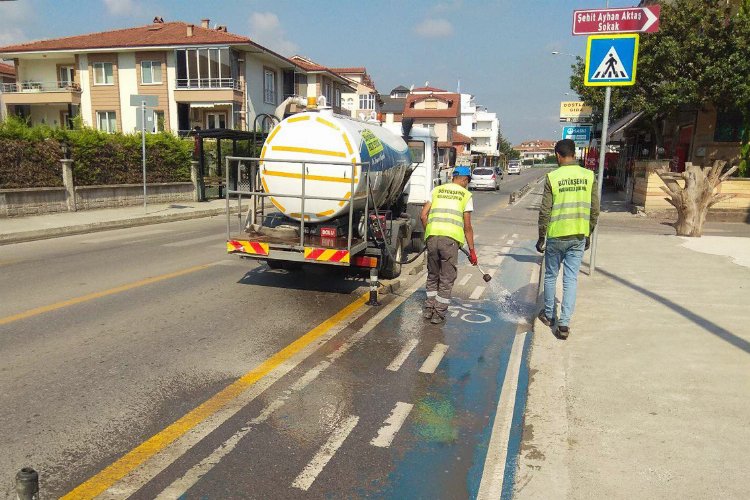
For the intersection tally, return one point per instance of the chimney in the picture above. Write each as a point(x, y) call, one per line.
point(190, 29)
point(205, 23)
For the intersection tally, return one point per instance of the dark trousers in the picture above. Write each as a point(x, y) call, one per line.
point(442, 261)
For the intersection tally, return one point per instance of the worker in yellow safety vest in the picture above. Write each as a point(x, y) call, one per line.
point(447, 219)
point(567, 217)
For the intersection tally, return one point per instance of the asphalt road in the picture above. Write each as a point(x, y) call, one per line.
point(131, 356)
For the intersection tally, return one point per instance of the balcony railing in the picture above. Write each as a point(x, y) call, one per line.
point(31, 86)
point(208, 83)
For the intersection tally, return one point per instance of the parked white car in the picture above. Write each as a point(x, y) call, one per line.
point(484, 178)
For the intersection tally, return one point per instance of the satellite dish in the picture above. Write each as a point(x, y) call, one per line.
point(427, 84)
point(411, 88)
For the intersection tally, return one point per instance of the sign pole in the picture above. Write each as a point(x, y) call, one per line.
point(600, 174)
point(143, 150)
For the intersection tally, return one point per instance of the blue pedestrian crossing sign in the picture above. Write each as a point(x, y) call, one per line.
point(611, 60)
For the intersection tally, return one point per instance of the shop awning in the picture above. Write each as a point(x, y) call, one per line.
point(617, 130)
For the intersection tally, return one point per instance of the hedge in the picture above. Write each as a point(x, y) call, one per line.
point(29, 156)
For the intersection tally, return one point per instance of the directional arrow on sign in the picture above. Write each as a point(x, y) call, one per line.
point(625, 20)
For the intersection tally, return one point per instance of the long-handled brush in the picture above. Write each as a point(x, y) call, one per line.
point(485, 276)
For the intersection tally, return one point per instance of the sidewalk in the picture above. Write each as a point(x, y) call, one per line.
point(648, 398)
point(38, 227)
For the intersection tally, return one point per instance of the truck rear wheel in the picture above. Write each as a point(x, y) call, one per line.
point(392, 267)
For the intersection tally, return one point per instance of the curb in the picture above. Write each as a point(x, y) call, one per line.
point(516, 196)
point(43, 234)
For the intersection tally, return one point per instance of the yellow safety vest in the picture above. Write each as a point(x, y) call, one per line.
point(446, 216)
point(572, 186)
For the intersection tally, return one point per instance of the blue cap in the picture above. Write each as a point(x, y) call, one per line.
point(466, 171)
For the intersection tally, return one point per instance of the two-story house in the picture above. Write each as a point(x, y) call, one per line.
point(7, 76)
point(319, 80)
point(203, 77)
point(440, 111)
point(392, 106)
point(365, 99)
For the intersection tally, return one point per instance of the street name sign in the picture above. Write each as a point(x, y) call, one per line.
point(625, 20)
point(574, 110)
point(611, 60)
point(580, 134)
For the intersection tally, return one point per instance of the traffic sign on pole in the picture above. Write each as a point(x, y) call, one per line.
point(626, 20)
point(611, 60)
point(580, 134)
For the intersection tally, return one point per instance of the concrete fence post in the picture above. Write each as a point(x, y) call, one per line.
point(70, 189)
point(194, 166)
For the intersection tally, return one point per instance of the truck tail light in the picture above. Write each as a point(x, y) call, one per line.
point(365, 261)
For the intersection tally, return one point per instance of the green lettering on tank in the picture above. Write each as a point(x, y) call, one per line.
point(374, 146)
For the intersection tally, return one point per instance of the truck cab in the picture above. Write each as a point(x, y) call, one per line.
point(424, 178)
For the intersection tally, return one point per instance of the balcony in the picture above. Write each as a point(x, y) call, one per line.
point(208, 90)
point(32, 92)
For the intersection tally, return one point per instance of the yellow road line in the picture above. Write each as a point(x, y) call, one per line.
point(116, 471)
point(323, 152)
point(97, 295)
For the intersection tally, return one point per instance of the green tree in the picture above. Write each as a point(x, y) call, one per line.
point(698, 57)
point(506, 148)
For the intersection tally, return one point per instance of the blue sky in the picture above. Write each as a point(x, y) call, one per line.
point(499, 49)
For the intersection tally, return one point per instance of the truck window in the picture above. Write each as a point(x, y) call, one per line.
point(416, 148)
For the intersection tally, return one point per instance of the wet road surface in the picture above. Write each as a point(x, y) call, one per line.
point(135, 393)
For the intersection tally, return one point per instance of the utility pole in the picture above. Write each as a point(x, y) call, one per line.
point(143, 150)
point(600, 174)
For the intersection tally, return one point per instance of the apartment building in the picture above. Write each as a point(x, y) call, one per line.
point(203, 77)
point(479, 124)
point(440, 111)
point(320, 80)
point(365, 99)
point(7, 76)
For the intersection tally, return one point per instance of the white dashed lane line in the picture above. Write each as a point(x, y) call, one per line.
point(324, 455)
point(433, 360)
point(478, 291)
point(392, 425)
point(401, 357)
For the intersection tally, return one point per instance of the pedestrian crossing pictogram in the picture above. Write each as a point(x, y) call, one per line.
point(611, 60)
point(610, 67)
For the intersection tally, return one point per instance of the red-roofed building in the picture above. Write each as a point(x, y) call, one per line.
point(366, 98)
point(320, 80)
point(535, 149)
point(7, 76)
point(440, 112)
point(202, 76)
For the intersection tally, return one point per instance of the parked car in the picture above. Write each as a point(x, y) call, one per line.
point(484, 178)
point(514, 167)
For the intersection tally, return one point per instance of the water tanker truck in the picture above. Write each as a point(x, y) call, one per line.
point(332, 190)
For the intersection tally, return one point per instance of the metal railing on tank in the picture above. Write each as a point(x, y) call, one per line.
point(256, 194)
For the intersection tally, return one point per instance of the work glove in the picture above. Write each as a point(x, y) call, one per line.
point(588, 243)
point(473, 257)
point(540, 245)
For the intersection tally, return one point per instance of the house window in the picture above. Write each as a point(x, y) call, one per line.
point(66, 76)
point(216, 120)
point(206, 68)
point(337, 102)
point(159, 121)
point(430, 104)
point(150, 72)
point(103, 74)
point(728, 126)
point(367, 101)
point(269, 86)
point(429, 126)
point(327, 94)
point(106, 121)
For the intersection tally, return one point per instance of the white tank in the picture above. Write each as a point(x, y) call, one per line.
point(323, 136)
